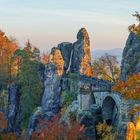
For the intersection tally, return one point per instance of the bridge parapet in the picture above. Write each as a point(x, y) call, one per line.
point(94, 84)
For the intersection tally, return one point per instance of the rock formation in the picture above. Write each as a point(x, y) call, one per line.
point(65, 58)
point(81, 59)
point(57, 59)
point(51, 96)
point(86, 60)
point(131, 56)
point(50, 104)
point(66, 50)
point(77, 56)
point(14, 109)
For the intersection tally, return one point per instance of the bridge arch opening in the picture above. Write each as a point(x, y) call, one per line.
point(109, 111)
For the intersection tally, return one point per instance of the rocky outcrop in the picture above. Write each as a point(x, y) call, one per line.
point(51, 102)
point(81, 56)
point(14, 109)
point(51, 96)
point(73, 57)
point(65, 58)
point(77, 56)
point(86, 59)
point(66, 49)
point(131, 56)
point(57, 59)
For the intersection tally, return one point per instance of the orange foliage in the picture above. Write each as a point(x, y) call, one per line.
point(9, 136)
point(130, 88)
point(45, 58)
point(7, 49)
point(74, 132)
point(3, 121)
point(56, 130)
point(50, 130)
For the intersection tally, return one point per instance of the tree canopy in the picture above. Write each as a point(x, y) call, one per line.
point(106, 67)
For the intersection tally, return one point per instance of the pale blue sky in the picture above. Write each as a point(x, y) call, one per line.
point(49, 22)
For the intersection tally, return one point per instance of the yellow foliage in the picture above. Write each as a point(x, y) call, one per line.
point(138, 129)
point(131, 132)
point(105, 132)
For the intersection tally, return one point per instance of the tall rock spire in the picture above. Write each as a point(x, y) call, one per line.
point(81, 55)
point(85, 66)
point(131, 56)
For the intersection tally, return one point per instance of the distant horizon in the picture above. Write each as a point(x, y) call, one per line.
point(108, 49)
point(50, 22)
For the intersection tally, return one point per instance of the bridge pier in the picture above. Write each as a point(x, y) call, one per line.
point(85, 101)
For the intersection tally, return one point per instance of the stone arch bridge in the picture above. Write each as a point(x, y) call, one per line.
point(95, 94)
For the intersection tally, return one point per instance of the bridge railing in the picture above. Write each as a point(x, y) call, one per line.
point(96, 85)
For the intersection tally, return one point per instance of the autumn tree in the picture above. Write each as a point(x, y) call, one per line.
point(106, 67)
point(7, 48)
point(9, 136)
point(45, 58)
point(56, 129)
point(105, 132)
point(3, 121)
point(130, 89)
point(52, 129)
point(74, 133)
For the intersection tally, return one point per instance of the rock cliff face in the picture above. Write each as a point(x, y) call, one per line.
point(14, 109)
point(50, 104)
point(66, 49)
point(51, 96)
point(131, 56)
point(57, 59)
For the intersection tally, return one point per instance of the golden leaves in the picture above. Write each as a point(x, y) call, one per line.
point(130, 88)
point(133, 131)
